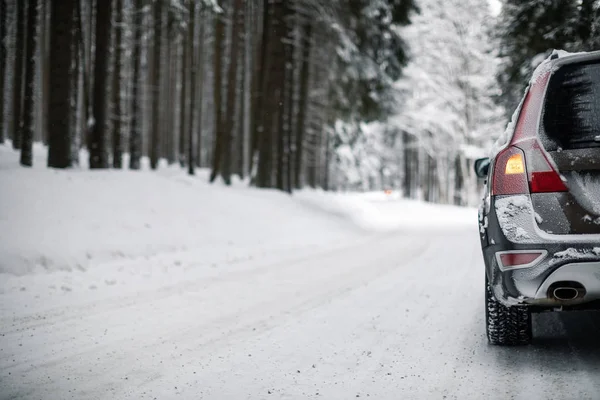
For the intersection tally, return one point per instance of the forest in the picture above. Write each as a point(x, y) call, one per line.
point(285, 94)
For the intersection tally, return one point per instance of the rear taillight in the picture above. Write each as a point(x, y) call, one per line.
point(523, 167)
point(519, 258)
point(510, 173)
point(543, 178)
point(547, 182)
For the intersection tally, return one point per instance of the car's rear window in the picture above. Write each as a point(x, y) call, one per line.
point(571, 116)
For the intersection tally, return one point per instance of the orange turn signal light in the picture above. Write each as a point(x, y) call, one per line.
point(515, 165)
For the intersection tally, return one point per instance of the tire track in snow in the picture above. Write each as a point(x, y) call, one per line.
point(70, 312)
point(306, 302)
point(399, 316)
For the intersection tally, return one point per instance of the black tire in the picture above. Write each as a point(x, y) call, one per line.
point(506, 326)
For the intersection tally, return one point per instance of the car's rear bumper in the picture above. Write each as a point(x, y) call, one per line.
point(587, 274)
point(511, 226)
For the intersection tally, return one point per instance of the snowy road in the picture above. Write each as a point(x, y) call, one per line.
point(384, 316)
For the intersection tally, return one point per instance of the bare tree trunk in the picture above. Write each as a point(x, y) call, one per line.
point(289, 108)
point(166, 82)
point(61, 40)
point(156, 79)
point(29, 110)
point(240, 135)
point(3, 31)
point(17, 127)
point(284, 130)
point(117, 109)
point(186, 49)
point(172, 115)
point(74, 101)
point(192, 135)
point(433, 179)
point(135, 137)
point(147, 77)
point(86, 70)
point(327, 166)
point(227, 148)
point(44, 69)
point(281, 84)
point(458, 181)
point(288, 131)
point(98, 150)
point(313, 172)
point(256, 84)
point(425, 183)
point(302, 106)
point(407, 183)
point(264, 134)
point(200, 84)
point(246, 90)
point(220, 131)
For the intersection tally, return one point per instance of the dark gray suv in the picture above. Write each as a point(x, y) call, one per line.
point(540, 217)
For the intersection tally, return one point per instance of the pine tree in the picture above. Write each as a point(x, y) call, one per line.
point(372, 57)
point(530, 30)
point(282, 75)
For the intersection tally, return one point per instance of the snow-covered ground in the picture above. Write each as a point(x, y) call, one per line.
point(133, 285)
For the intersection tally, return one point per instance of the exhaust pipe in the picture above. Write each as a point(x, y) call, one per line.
point(564, 293)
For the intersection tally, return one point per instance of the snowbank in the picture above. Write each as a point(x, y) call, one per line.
point(72, 220)
point(381, 212)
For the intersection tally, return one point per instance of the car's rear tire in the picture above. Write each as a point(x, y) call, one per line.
point(506, 326)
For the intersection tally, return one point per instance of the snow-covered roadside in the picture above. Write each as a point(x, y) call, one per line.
point(98, 234)
point(54, 220)
point(381, 212)
point(71, 220)
point(94, 235)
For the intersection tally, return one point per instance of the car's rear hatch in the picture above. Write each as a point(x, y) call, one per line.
point(570, 133)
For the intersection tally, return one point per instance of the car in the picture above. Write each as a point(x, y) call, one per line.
point(539, 219)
